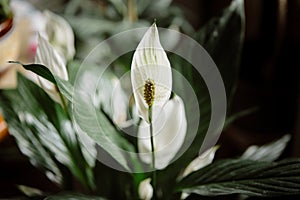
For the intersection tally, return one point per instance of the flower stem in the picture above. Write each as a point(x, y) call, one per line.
point(153, 154)
point(132, 12)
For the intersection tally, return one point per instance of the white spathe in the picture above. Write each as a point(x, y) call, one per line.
point(150, 62)
point(48, 56)
point(60, 35)
point(201, 161)
point(145, 189)
point(169, 130)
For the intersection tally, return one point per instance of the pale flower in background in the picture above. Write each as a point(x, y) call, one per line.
point(60, 34)
point(169, 130)
point(150, 65)
point(53, 28)
point(145, 189)
point(29, 22)
point(47, 56)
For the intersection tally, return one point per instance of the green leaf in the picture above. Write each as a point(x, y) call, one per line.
point(267, 152)
point(251, 178)
point(44, 133)
point(223, 37)
point(15, 110)
point(72, 197)
point(39, 69)
point(65, 88)
point(238, 115)
point(91, 121)
point(72, 67)
point(97, 126)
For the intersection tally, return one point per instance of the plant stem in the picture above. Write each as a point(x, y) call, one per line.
point(152, 153)
point(64, 104)
point(76, 152)
point(132, 12)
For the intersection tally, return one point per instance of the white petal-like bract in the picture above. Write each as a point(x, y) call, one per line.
point(169, 130)
point(201, 161)
point(150, 63)
point(145, 189)
point(60, 35)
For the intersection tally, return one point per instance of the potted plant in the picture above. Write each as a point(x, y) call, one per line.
point(9, 42)
point(6, 17)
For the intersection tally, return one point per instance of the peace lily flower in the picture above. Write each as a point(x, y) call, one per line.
point(169, 130)
point(48, 56)
point(151, 79)
point(145, 189)
point(53, 28)
point(150, 74)
point(59, 34)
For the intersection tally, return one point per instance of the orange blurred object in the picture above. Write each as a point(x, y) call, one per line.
point(3, 128)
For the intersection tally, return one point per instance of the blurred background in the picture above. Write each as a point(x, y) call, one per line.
point(268, 81)
point(269, 72)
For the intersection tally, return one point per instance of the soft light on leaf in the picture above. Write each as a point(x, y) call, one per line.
point(43, 132)
point(248, 177)
point(38, 69)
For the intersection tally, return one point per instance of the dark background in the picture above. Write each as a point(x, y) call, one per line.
point(269, 73)
point(269, 80)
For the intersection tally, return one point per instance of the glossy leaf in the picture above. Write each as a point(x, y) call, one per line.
point(44, 133)
point(65, 87)
point(251, 178)
point(27, 139)
point(72, 196)
point(41, 70)
point(94, 122)
point(38, 69)
point(222, 37)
